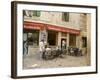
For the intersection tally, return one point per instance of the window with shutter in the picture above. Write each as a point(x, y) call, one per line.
point(36, 13)
point(65, 16)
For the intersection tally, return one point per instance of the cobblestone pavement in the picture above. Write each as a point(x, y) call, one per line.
point(34, 60)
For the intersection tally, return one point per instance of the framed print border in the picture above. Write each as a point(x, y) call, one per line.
point(14, 40)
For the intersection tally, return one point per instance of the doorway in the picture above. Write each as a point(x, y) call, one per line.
point(65, 40)
point(52, 38)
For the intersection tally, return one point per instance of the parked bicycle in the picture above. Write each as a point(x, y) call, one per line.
point(49, 53)
point(73, 51)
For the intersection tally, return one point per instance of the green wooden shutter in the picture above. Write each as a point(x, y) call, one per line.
point(36, 13)
point(65, 16)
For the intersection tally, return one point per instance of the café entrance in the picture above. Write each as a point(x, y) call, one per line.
point(52, 38)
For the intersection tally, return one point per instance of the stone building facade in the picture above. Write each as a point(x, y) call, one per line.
point(54, 27)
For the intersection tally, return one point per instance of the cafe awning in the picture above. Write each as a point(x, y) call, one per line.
point(41, 26)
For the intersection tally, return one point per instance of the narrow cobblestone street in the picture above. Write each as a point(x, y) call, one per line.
point(34, 60)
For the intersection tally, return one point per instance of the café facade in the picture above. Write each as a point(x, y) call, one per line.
point(53, 34)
